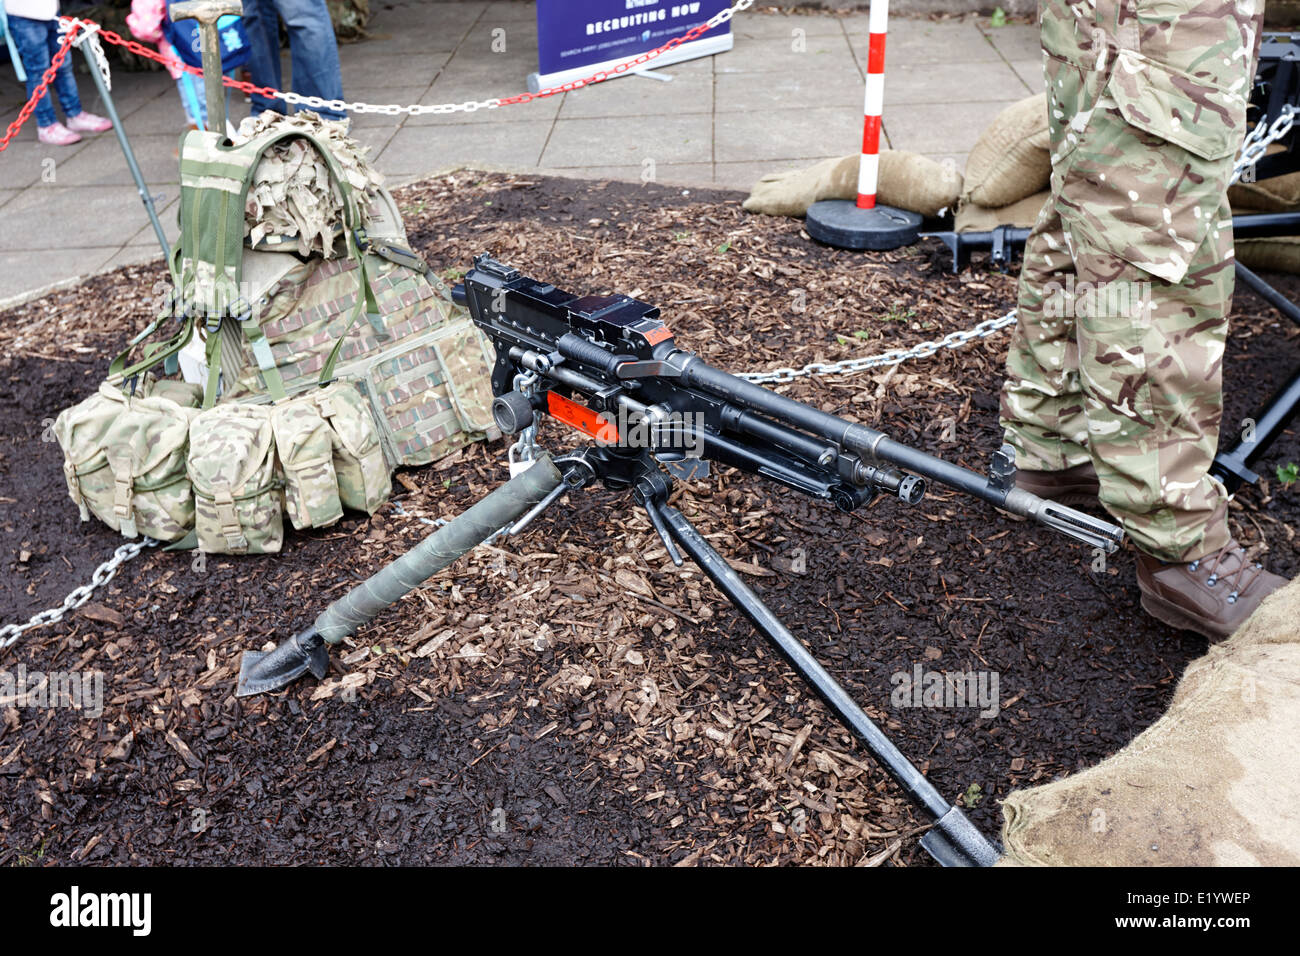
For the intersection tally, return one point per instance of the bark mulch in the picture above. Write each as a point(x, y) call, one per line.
point(571, 696)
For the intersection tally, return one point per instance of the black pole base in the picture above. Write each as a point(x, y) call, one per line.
point(840, 223)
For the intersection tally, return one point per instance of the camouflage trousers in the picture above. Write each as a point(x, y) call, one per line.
point(1128, 273)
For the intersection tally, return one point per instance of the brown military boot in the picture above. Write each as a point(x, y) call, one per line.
point(1072, 487)
point(1212, 596)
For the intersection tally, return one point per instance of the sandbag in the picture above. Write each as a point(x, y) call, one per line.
point(972, 217)
point(1281, 254)
point(1214, 782)
point(1012, 157)
point(1275, 194)
point(906, 181)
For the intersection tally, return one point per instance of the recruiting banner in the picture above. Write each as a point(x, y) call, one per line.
point(577, 39)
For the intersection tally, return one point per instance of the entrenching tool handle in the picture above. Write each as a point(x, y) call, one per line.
point(208, 12)
point(465, 532)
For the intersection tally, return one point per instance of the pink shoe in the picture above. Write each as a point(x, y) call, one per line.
point(85, 122)
point(56, 134)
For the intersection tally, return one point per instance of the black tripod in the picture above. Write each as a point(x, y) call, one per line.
point(954, 840)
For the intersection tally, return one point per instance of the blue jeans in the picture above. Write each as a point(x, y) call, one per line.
point(314, 53)
point(37, 42)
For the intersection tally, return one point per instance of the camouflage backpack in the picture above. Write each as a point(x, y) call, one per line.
point(323, 371)
point(374, 316)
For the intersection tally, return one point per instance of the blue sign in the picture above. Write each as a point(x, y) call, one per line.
point(572, 34)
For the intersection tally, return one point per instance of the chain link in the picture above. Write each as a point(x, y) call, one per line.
point(79, 596)
point(953, 340)
point(86, 31)
point(1259, 139)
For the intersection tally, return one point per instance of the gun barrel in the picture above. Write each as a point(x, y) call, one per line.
point(875, 446)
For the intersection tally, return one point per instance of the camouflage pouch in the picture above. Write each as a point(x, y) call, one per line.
point(359, 464)
point(184, 394)
point(236, 491)
point(145, 449)
point(124, 459)
point(433, 395)
point(81, 432)
point(305, 443)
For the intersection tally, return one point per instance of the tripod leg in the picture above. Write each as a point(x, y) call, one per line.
point(954, 840)
point(1234, 467)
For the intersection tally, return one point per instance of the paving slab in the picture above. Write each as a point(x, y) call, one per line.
point(102, 163)
point(907, 84)
point(480, 80)
point(1015, 41)
point(941, 127)
point(133, 255)
point(943, 42)
point(86, 217)
point(363, 69)
point(664, 140)
point(749, 92)
point(510, 13)
point(744, 175)
point(1031, 74)
point(28, 162)
point(168, 210)
point(414, 150)
point(789, 26)
point(787, 134)
point(24, 269)
point(418, 28)
point(641, 96)
point(827, 55)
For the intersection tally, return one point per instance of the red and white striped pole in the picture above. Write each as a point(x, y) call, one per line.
point(869, 166)
point(844, 223)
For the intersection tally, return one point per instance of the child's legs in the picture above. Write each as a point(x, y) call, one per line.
point(195, 98)
point(65, 83)
point(31, 38)
point(187, 84)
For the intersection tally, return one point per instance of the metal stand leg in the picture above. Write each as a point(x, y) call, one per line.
point(138, 176)
point(954, 840)
point(1233, 467)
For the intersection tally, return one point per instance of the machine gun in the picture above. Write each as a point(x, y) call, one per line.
point(607, 366)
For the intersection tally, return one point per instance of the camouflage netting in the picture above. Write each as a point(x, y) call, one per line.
point(1214, 782)
point(291, 195)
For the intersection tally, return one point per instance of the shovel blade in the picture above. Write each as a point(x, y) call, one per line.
point(261, 672)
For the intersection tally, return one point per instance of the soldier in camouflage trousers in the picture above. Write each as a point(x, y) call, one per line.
point(1114, 380)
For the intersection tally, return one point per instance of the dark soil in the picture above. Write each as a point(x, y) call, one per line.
point(570, 696)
